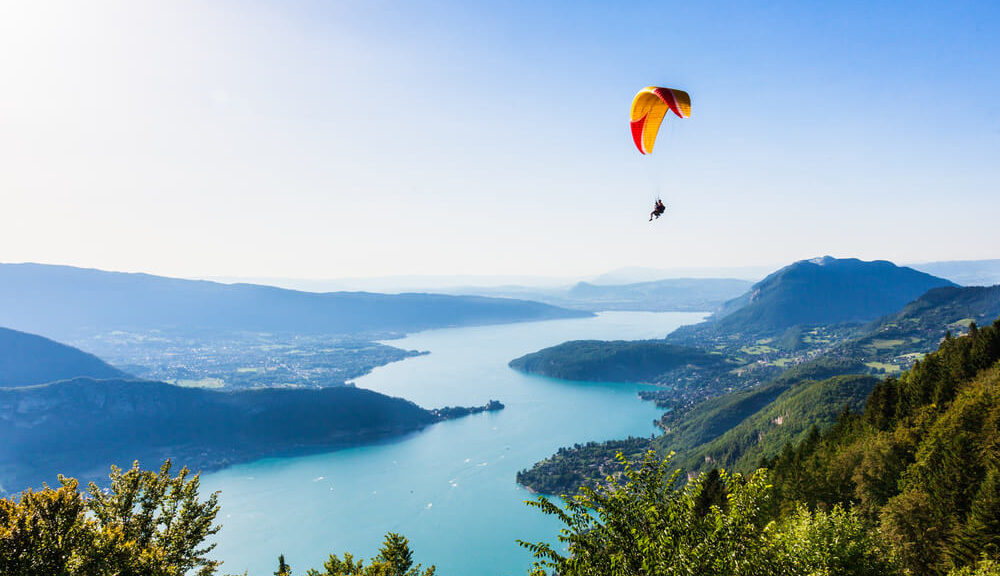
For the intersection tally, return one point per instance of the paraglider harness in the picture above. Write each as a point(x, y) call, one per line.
point(658, 209)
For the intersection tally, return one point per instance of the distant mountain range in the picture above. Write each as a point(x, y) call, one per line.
point(27, 359)
point(677, 294)
point(669, 295)
point(639, 274)
point(964, 272)
point(64, 302)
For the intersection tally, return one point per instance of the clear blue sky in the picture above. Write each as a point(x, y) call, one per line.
point(331, 139)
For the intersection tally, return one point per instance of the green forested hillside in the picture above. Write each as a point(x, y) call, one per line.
point(897, 338)
point(921, 462)
point(706, 421)
point(789, 418)
point(692, 432)
point(27, 359)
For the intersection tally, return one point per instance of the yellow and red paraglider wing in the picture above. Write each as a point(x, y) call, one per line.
point(649, 107)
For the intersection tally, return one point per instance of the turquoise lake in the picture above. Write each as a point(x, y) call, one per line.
point(449, 488)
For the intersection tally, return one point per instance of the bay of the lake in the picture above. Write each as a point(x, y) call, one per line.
point(449, 488)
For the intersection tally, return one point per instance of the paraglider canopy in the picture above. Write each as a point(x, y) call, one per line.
point(649, 107)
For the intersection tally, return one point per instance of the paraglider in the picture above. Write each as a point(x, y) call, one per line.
point(658, 209)
point(649, 107)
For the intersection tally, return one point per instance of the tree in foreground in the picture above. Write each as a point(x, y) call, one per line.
point(717, 524)
point(145, 524)
point(394, 559)
point(984, 567)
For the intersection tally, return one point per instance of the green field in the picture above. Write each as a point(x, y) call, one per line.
point(201, 383)
point(884, 366)
point(758, 350)
point(886, 344)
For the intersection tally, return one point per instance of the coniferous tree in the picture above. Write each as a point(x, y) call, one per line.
point(712, 492)
point(981, 533)
point(283, 568)
point(394, 559)
point(396, 554)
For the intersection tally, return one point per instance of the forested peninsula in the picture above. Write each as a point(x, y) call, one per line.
point(80, 426)
point(617, 361)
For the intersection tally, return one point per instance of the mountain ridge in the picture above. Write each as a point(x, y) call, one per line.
point(63, 301)
point(29, 359)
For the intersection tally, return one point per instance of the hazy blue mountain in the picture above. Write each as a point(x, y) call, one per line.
point(79, 427)
point(670, 295)
point(27, 359)
point(639, 274)
point(63, 302)
point(964, 272)
point(679, 294)
point(824, 291)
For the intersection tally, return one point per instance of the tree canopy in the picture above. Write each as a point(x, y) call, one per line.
point(145, 523)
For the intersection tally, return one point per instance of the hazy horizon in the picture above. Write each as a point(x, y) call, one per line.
point(979, 272)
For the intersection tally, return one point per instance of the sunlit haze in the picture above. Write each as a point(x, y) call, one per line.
point(340, 139)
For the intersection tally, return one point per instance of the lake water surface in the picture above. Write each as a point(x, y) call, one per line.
point(450, 488)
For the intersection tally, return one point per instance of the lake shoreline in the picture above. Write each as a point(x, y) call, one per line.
point(450, 488)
